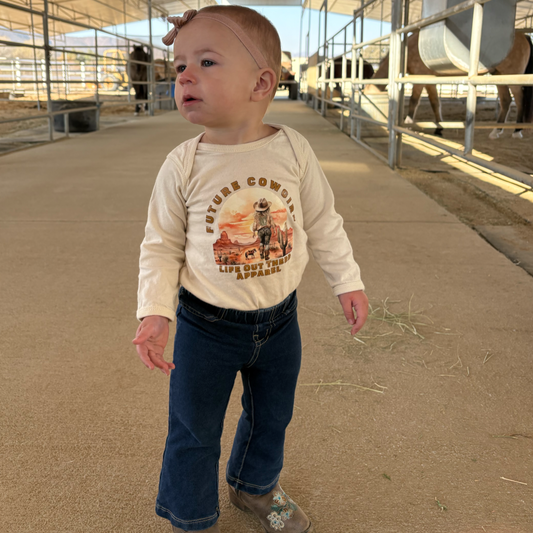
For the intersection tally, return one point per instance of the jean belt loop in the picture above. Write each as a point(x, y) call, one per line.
point(285, 305)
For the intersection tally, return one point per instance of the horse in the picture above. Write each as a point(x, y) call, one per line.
point(139, 73)
point(519, 60)
point(311, 67)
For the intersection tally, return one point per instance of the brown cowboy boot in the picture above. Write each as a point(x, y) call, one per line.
point(275, 510)
point(212, 529)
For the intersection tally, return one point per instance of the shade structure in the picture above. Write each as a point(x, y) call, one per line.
point(93, 13)
point(381, 9)
point(103, 13)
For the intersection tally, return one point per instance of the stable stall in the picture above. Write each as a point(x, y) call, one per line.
point(459, 43)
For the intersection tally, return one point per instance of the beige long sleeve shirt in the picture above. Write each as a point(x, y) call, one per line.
point(200, 231)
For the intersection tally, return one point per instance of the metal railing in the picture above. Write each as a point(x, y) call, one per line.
point(397, 79)
point(87, 76)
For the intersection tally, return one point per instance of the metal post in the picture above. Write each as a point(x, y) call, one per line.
point(65, 73)
point(300, 52)
point(352, 77)
point(35, 59)
point(315, 102)
point(471, 99)
point(47, 63)
point(324, 70)
point(97, 96)
point(360, 66)
point(403, 66)
point(151, 70)
point(394, 70)
point(307, 53)
point(343, 75)
point(317, 62)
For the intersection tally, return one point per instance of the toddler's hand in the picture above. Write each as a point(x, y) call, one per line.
point(150, 341)
point(355, 300)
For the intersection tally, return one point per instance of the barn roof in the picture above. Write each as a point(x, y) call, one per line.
point(381, 9)
point(102, 13)
point(94, 13)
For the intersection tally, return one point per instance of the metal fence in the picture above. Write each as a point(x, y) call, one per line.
point(100, 69)
point(321, 67)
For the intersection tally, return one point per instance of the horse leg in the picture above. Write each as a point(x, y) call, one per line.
point(145, 97)
point(518, 94)
point(505, 102)
point(138, 96)
point(414, 101)
point(435, 105)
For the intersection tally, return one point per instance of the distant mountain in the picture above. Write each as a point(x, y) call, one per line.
point(224, 242)
point(17, 37)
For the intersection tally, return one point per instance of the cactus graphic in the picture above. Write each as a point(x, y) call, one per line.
point(283, 238)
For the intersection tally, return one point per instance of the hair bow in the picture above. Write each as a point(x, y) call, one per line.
point(178, 22)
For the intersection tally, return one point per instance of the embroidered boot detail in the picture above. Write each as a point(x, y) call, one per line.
point(282, 509)
point(275, 510)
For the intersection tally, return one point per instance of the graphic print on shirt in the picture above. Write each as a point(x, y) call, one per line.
point(254, 229)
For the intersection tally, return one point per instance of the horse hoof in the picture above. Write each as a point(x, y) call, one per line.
point(408, 120)
point(135, 114)
point(438, 132)
point(517, 135)
point(494, 135)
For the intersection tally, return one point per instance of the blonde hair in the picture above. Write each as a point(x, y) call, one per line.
point(260, 30)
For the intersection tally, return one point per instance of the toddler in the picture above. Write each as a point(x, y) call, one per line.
point(231, 217)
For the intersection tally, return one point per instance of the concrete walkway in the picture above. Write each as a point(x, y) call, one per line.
point(431, 432)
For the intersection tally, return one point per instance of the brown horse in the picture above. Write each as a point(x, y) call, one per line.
point(519, 60)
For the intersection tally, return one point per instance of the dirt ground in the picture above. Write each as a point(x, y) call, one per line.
point(481, 205)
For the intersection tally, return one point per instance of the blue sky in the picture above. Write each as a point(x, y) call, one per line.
point(285, 19)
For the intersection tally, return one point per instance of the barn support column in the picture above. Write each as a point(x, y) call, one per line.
point(300, 51)
point(394, 71)
point(307, 47)
point(360, 68)
point(471, 99)
point(353, 76)
point(403, 68)
point(315, 101)
point(151, 68)
point(325, 84)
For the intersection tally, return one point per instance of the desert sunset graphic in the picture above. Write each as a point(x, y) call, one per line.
point(236, 243)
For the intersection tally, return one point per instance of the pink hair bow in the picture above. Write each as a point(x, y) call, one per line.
point(178, 22)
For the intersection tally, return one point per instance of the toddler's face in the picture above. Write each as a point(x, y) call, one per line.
point(215, 74)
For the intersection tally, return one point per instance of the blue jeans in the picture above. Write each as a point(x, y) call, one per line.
point(212, 344)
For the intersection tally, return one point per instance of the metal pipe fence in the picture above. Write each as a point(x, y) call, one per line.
point(100, 70)
point(323, 76)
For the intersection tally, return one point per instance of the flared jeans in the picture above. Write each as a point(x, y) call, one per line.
point(212, 345)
